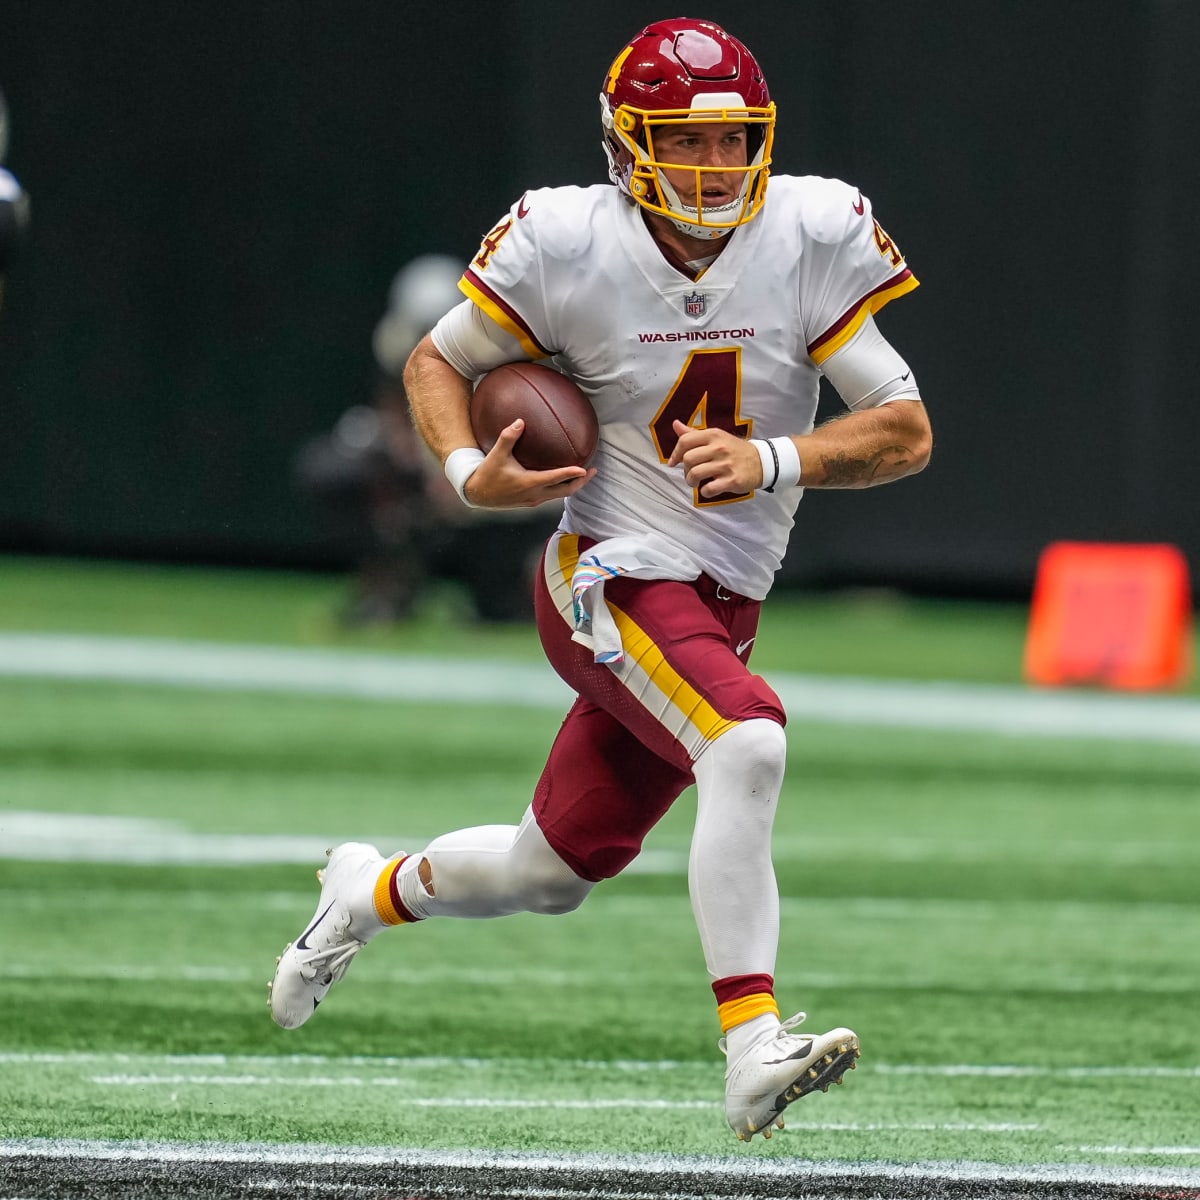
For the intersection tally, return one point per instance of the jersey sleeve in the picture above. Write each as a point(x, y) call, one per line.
point(850, 268)
point(505, 279)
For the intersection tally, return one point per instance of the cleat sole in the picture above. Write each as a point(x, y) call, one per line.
point(833, 1068)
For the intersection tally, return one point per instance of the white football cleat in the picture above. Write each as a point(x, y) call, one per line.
point(344, 922)
point(774, 1072)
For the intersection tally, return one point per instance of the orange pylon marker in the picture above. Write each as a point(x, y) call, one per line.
point(1110, 615)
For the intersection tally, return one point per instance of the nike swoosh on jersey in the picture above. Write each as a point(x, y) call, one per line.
point(302, 940)
point(743, 646)
point(859, 207)
point(522, 207)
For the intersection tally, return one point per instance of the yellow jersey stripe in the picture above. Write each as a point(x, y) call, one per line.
point(502, 318)
point(853, 321)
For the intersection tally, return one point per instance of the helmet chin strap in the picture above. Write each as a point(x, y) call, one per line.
point(693, 228)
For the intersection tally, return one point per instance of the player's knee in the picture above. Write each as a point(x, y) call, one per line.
point(758, 749)
point(555, 893)
point(771, 745)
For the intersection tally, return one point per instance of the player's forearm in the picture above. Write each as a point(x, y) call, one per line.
point(439, 399)
point(868, 448)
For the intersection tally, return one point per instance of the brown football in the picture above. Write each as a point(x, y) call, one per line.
point(560, 423)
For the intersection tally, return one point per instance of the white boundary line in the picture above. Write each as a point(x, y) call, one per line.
point(841, 701)
point(611, 1166)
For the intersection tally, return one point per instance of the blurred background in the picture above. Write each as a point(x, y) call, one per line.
point(223, 194)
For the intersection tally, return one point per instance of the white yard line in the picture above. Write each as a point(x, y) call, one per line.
point(950, 706)
point(1037, 1072)
point(1173, 1150)
point(33, 836)
point(436, 1063)
point(1045, 982)
point(292, 1082)
point(36, 836)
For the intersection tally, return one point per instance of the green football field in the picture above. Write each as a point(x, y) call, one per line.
point(999, 893)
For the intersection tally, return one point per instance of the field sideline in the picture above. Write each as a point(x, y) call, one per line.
point(995, 886)
point(108, 1169)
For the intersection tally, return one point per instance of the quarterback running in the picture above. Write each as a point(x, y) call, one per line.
point(698, 301)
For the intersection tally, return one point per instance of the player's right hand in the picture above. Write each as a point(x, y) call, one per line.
point(501, 482)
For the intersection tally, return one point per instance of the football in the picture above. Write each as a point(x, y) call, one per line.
point(561, 429)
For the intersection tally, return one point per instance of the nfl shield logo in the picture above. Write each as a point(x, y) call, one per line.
point(693, 305)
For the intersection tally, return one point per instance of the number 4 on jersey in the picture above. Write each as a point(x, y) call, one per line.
point(707, 395)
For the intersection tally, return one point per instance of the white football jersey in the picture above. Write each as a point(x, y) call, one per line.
point(574, 274)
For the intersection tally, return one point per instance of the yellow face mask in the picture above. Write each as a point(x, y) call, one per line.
point(642, 166)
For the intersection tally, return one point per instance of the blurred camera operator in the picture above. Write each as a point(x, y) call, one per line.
point(392, 504)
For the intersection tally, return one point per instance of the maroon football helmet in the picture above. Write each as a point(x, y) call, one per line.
point(677, 71)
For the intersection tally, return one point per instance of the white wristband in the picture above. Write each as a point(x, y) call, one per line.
point(780, 463)
point(460, 466)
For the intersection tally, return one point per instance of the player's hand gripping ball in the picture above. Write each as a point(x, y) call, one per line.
point(561, 429)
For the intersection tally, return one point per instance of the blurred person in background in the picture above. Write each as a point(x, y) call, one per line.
point(392, 505)
point(14, 204)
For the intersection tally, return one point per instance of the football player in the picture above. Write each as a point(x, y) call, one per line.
point(14, 204)
point(698, 307)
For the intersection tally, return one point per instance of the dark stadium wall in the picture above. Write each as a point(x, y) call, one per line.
point(222, 193)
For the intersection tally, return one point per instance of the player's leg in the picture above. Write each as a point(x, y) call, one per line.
point(485, 871)
point(603, 788)
point(489, 870)
point(736, 902)
point(684, 689)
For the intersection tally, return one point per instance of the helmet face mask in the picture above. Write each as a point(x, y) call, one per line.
point(686, 72)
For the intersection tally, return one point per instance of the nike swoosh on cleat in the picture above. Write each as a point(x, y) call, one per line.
point(302, 940)
point(804, 1052)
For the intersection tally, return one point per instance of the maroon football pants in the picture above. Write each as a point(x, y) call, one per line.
point(626, 748)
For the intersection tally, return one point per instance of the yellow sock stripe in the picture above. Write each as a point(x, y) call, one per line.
point(745, 1008)
point(384, 905)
